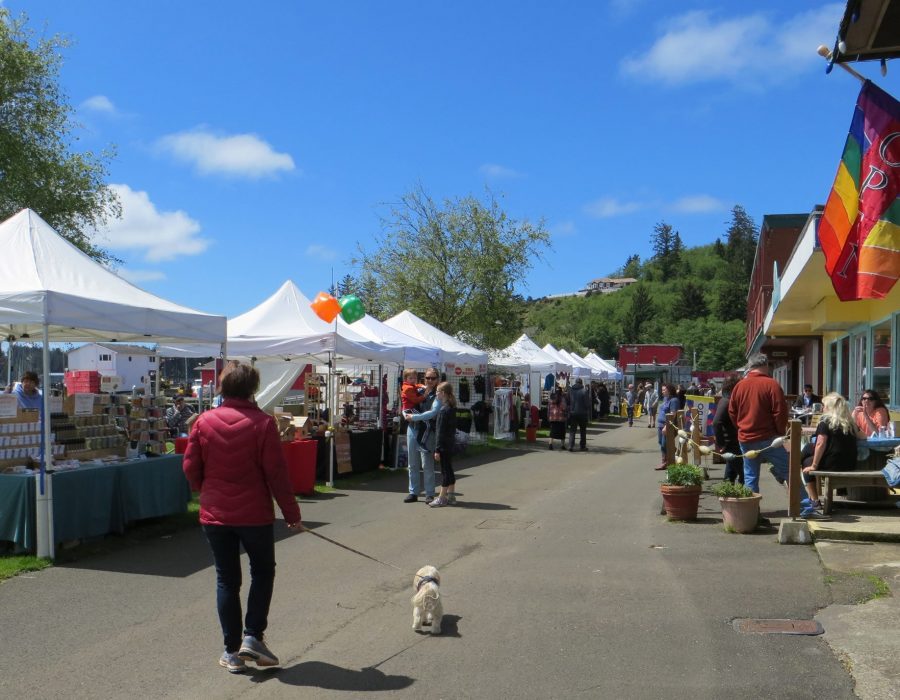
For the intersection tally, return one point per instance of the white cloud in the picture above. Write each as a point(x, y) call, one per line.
point(157, 235)
point(321, 252)
point(563, 229)
point(699, 47)
point(139, 276)
point(697, 204)
point(242, 155)
point(100, 104)
point(607, 207)
point(493, 170)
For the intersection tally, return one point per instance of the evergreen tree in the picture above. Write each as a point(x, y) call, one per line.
point(741, 242)
point(639, 312)
point(632, 266)
point(667, 248)
point(689, 301)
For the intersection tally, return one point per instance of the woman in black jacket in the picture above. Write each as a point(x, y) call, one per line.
point(445, 434)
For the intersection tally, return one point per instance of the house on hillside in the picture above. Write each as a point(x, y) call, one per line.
point(135, 364)
point(607, 285)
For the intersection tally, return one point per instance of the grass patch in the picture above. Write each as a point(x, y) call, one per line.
point(856, 587)
point(880, 588)
point(14, 565)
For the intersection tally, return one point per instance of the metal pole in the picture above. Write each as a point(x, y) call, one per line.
point(44, 491)
point(329, 434)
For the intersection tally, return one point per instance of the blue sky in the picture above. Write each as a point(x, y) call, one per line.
point(258, 143)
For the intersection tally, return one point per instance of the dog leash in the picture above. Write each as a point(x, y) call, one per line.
point(350, 549)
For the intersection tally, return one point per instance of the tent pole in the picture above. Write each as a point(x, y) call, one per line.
point(44, 490)
point(9, 344)
point(329, 441)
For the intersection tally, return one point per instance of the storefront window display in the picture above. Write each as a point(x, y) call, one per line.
point(882, 351)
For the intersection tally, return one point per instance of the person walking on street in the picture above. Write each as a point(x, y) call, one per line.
point(234, 460)
point(557, 413)
point(651, 404)
point(759, 411)
point(630, 400)
point(668, 403)
point(579, 410)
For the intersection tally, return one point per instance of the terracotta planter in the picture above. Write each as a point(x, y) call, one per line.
point(681, 502)
point(740, 514)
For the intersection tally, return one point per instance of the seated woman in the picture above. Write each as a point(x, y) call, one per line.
point(27, 392)
point(871, 414)
point(834, 448)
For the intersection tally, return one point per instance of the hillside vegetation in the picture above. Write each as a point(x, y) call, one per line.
point(695, 297)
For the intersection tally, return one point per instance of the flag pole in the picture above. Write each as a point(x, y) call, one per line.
point(826, 53)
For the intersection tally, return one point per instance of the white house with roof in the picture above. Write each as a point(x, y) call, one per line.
point(133, 363)
point(607, 285)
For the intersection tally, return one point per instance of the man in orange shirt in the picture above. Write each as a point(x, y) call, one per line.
point(759, 411)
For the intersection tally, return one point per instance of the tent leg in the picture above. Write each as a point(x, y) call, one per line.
point(329, 434)
point(44, 490)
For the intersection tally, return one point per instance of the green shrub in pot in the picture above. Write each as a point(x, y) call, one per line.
point(684, 475)
point(728, 490)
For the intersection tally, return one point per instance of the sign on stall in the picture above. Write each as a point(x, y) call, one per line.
point(706, 411)
point(9, 405)
point(342, 452)
point(84, 404)
point(454, 370)
point(56, 404)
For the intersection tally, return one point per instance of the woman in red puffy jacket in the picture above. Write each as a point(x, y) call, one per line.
point(234, 460)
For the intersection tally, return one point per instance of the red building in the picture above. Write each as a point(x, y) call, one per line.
point(650, 360)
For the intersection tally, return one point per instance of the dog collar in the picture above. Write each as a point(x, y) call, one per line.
point(426, 579)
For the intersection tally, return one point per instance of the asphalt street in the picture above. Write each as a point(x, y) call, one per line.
point(560, 579)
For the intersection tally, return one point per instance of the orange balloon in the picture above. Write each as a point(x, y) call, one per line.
point(325, 307)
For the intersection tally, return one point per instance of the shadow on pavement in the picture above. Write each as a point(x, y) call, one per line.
point(476, 505)
point(319, 674)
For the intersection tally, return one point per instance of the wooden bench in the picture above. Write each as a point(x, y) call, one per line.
point(827, 482)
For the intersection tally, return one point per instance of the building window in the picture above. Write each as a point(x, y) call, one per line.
point(105, 358)
point(833, 366)
point(861, 376)
point(152, 359)
point(882, 350)
point(844, 371)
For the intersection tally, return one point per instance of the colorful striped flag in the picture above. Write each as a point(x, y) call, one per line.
point(860, 227)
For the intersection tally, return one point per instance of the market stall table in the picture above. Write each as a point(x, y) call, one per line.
point(94, 499)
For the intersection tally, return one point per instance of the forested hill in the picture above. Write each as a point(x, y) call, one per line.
point(696, 297)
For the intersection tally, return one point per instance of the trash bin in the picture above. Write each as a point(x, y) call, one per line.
point(300, 456)
point(530, 434)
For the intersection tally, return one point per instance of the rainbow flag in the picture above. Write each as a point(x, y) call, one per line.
point(860, 227)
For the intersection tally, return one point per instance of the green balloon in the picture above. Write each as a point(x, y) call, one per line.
point(352, 308)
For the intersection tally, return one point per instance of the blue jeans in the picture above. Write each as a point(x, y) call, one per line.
point(418, 459)
point(259, 543)
point(778, 457)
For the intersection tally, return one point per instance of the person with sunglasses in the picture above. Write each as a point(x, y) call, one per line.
point(871, 414)
point(420, 447)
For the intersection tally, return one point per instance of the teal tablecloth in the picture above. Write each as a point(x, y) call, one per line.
point(94, 500)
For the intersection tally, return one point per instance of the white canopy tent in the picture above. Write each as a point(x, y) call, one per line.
point(452, 350)
point(282, 333)
point(416, 352)
point(505, 362)
point(578, 369)
point(526, 350)
point(603, 365)
point(51, 290)
point(582, 368)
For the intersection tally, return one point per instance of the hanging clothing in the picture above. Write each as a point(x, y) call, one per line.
point(480, 413)
point(464, 396)
point(479, 385)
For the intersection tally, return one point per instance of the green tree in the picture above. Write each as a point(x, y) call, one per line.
point(38, 167)
point(729, 300)
point(456, 264)
point(740, 246)
point(632, 267)
point(688, 301)
point(667, 249)
point(640, 311)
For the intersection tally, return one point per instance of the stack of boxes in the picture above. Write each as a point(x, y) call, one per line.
point(82, 382)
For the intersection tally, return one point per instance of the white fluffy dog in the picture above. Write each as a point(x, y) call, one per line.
point(426, 602)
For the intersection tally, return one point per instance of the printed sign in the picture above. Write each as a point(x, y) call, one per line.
point(56, 404)
point(9, 406)
point(342, 461)
point(84, 404)
point(706, 411)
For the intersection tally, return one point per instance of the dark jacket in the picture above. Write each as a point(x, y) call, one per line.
point(579, 401)
point(234, 460)
point(726, 433)
point(445, 429)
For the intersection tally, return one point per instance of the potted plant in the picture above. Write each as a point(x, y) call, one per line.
point(740, 506)
point(681, 491)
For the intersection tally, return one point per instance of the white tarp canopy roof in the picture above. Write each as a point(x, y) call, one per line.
point(505, 362)
point(452, 350)
point(415, 351)
point(526, 350)
point(604, 365)
point(284, 325)
point(579, 367)
point(46, 279)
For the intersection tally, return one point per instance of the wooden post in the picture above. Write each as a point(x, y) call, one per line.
point(670, 433)
point(795, 465)
point(695, 435)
